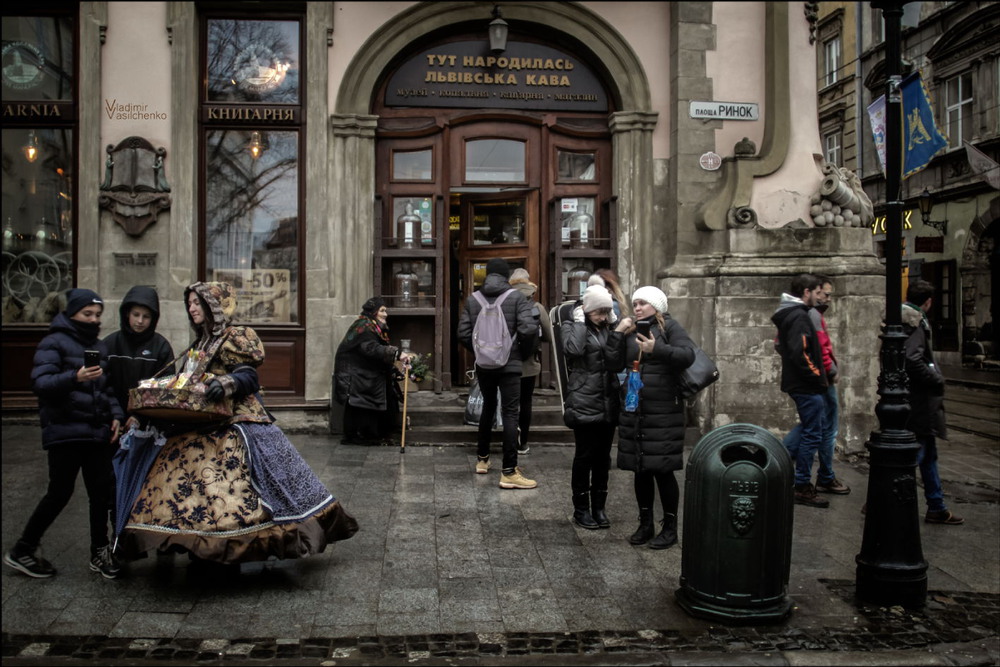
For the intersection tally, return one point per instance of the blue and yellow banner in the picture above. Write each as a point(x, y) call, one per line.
point(921, 138)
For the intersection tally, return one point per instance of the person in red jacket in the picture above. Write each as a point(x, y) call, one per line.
point(826, 481)
point(803, 378)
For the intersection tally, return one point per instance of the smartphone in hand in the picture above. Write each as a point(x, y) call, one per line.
point(91, 358)
point(642, 327)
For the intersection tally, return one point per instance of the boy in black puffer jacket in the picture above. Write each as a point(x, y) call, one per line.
point(80, 419)
point(136, 351)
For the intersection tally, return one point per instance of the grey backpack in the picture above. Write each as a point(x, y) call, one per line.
point(491, 339)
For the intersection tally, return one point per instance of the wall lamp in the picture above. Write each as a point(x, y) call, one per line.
point(498, 32)
point(926, 204)
point(256, 145)
point(30, 148)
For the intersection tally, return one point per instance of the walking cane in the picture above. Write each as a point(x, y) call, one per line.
point(406, 386)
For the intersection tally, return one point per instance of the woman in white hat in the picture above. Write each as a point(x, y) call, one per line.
point(651, 438)
point(592, 401)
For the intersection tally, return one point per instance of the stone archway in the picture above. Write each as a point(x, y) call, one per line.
point(351, 149)
point(979, 279)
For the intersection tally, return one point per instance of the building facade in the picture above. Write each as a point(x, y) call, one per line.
point(953, 48)
point(316, 154)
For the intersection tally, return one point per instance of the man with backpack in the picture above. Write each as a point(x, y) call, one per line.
point(499, 326)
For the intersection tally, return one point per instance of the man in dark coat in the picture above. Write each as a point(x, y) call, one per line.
point(523, 327)
point(926, 420)
point(136, 351)
point(803, 377)
point(80, 418)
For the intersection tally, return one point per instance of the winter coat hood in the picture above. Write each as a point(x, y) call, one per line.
point(220, 305)
point(140, 295)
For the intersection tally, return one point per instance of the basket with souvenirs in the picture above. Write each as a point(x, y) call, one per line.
point(181, 397)
point(178, 398)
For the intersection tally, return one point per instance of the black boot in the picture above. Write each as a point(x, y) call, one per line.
point(597, 501)
point(668, 535)
point(581, 512)
point(644, 533)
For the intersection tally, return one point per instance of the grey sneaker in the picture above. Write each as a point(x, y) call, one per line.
point(30, 563)
point(106, 563)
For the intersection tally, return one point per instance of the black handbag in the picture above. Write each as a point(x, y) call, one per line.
point(698, 375)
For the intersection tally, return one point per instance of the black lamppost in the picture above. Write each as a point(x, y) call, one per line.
point(891, 567)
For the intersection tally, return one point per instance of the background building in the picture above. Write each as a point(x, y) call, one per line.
point(317, 153)
point(954, 48)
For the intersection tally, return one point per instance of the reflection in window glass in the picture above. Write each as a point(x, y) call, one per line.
point(37, 58)
point(498, 222)
point(37, 222)
point(412, 165)
point(252, 221)
point(253, 61)
point(494, 161)
point(577, 166)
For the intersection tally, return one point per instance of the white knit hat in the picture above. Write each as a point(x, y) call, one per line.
point(596, 297)
point(595, 279)
point(654, 296)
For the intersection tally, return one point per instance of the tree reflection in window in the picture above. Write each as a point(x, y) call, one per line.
point(253, 61)
point(252, 221)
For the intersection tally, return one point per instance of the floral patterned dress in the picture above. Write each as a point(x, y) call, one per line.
point(238, 491)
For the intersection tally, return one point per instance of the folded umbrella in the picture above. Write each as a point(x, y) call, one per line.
point(137, 450)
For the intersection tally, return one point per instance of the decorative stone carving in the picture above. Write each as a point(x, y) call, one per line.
point(840, 200)
point(742, 217)
point(745, 148)
point(135, 186)
point(811, 10)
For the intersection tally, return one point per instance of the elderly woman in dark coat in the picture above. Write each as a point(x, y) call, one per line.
point(651, 439)
point(591, 402)
point(365, 377)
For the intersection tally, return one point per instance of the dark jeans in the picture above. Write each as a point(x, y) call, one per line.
point(65, 461)
point(670, 493)
point(812, 418)
point(592, 460)
point(524, 416)
point(509, 385)
point(927, 459)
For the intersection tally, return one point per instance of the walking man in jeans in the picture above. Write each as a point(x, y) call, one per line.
point(523, 328)
point(926, 419)
point(826, 481)
point(803, 378)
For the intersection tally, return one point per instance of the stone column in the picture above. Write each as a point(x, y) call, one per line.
point(351, 217)
point(638, 231)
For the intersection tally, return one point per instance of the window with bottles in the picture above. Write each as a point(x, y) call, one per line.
point(252, 137)
point(39, 161)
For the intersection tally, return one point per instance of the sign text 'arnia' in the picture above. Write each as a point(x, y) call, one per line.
point(526, 76)
point(725, 110)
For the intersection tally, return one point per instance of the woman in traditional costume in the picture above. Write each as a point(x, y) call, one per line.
point(238, 491)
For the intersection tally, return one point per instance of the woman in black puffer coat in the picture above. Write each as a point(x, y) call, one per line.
point(80, 418)
point(651, 439)
point(592, 401)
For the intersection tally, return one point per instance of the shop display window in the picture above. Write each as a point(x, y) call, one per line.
point(498, 223)
point(578, 223)
point(412, 223)
point(253, 61)
point(576, 166)
point(410, 284)
point(252, 223)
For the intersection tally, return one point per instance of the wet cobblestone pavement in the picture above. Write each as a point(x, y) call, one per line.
point(449, 569)
point(950, 617)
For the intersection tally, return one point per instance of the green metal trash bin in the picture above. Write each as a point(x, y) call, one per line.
point(737, 544)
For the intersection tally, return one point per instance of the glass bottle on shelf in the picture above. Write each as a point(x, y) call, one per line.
point(581, 230)
point(407, 226)
point(405, 286)
point(576, 281)
point(8, 235)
